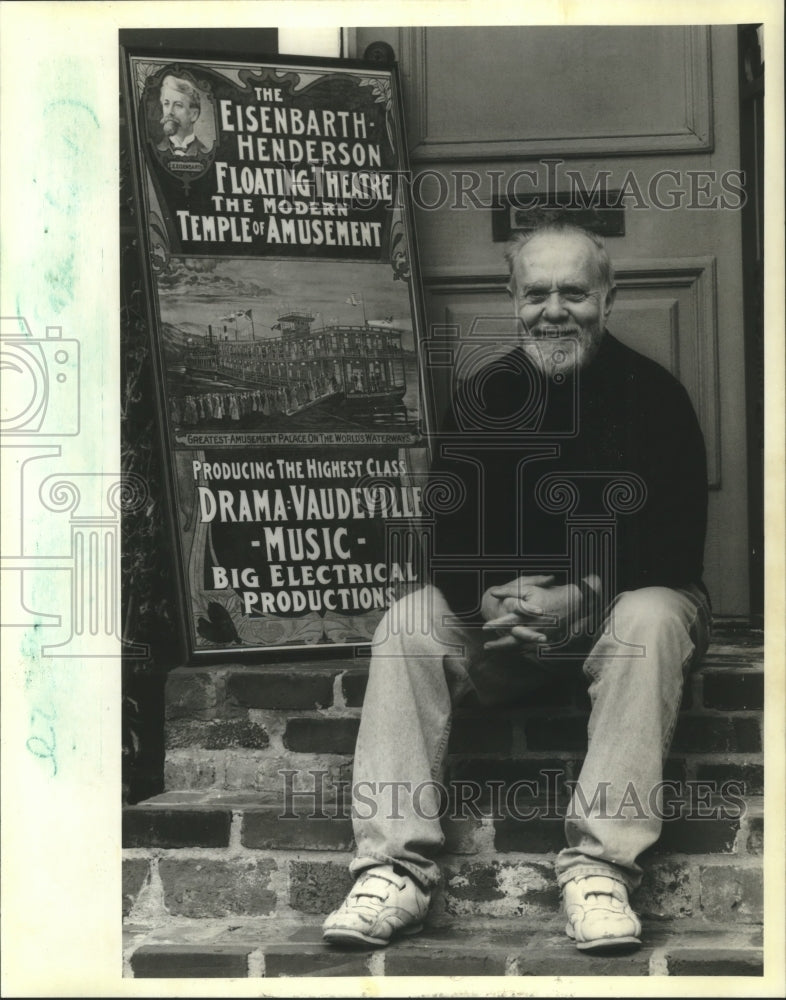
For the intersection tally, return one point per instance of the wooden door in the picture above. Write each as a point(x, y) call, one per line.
point(648, 111)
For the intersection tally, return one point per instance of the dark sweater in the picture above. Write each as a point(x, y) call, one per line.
point(622, 414)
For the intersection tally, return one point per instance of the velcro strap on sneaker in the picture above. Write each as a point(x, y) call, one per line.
point(602, 885)
point(365, 885)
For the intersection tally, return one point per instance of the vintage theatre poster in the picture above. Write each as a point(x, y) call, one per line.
point(285, 317)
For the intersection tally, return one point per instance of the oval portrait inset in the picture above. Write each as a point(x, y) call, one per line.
point(181, 123)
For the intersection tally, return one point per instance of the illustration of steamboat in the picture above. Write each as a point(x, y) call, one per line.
point(359, 370)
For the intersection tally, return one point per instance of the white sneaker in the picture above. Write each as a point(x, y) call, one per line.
point(599, 914)
point(380, 905)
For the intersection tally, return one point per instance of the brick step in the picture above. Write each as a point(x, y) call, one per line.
point(515, 819)
point(276, 948)
point(488, 748)
point(728, 671)
point(727, 679)
point(205, 854)
point(233, 726)
point(697, 823)
point(248, 751)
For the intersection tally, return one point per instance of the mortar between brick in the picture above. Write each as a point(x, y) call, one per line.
point(256, 964)
point(339, 701)
point(235, 846)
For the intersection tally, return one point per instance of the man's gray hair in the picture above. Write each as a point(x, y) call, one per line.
point(561, 227)
point(185, 87)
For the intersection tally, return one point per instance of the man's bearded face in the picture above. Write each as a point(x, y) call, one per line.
point(178, 116)
point(561, 300)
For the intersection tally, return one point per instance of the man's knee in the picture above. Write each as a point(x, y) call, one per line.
point(652, 625)
point(409, 615)
point(652, 609)
point(415, 625)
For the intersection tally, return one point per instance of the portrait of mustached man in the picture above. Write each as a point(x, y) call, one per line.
point(181, 106)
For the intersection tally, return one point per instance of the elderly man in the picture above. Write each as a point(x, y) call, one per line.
point(570, 421)
point(180, 108)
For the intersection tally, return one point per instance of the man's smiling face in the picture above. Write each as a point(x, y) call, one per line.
point(561, 298)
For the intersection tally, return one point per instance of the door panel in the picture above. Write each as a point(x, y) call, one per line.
point(663, 69)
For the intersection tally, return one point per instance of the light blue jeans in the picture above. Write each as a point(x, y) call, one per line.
point(422, 665)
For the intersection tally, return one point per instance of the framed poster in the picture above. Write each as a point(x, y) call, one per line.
point(285, 316)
